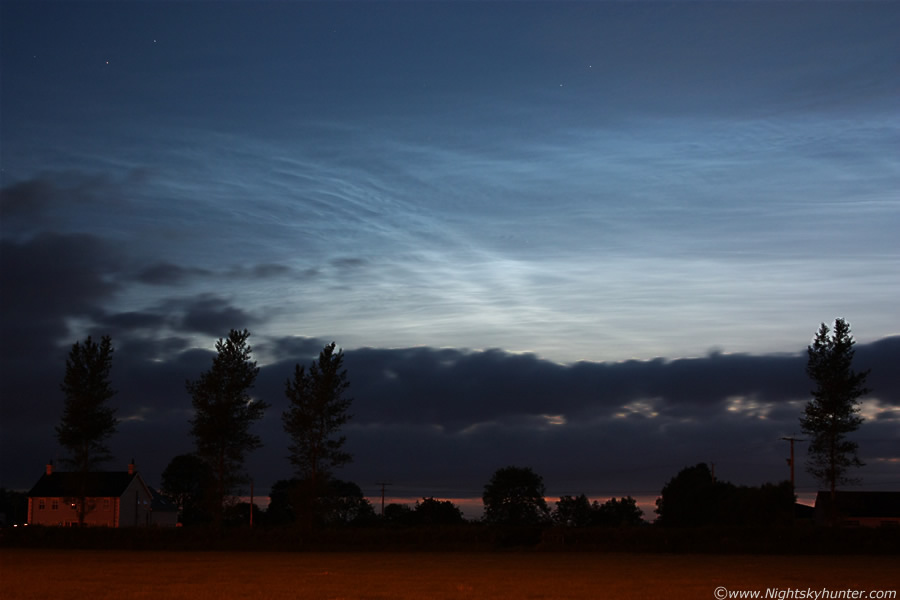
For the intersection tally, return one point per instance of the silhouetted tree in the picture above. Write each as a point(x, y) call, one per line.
point(578, 511)
point(238, 515)
point(515, 496)
point(87, 421)
point(188, 481)
point(399, 514)
point(317, 410)
point(771, 504)
point(688, 499)
point(338, 503)
point(833, 411)
point(574, 511)
point(344, 504)
point(692, 498)
point(437, 512)
point(282, 498)
point(223, 414)
point(618, 513)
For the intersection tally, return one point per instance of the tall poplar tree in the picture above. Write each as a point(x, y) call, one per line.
point(88, 420)
point(224, 410)
point(833, 411)
point(318, 405)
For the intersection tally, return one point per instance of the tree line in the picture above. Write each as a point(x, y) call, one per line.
point(223, 413)
point(318, 406)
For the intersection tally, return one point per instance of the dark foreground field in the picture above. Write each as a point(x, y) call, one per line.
point(78, 574)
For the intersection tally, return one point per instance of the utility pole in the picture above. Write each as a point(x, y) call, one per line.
point(383, 484)
point(791, 459)
point(251, 504)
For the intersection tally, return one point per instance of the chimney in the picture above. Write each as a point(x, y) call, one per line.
point(131, 467)
point(50, 468)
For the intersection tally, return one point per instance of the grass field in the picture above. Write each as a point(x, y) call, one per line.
point(96, 575)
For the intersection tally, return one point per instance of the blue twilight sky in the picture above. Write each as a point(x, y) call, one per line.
point(443, 182)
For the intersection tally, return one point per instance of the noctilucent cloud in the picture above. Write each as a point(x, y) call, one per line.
point(551, 186)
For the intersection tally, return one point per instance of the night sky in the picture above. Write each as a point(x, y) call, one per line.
point(593, 238)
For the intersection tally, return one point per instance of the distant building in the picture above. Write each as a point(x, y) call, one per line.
point(861, 509)
point(113, 499)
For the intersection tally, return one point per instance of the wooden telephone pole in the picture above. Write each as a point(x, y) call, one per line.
point(791, 459)
point(383, 484)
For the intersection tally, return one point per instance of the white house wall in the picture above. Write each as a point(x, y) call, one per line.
point(134, 505)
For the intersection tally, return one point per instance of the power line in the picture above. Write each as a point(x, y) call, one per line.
point(383, 484)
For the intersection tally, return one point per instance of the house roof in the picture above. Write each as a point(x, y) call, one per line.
point(862, 504)
point(111, 484)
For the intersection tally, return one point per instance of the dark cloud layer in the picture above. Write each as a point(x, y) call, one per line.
point(165, 273)
point(168, 274)
point(439, 421)
point(431, 420)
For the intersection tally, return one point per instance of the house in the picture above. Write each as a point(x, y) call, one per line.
point(862, 509)
point(113, 499)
